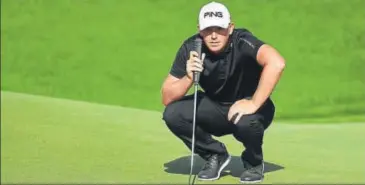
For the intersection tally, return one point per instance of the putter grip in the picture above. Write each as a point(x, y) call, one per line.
point(198, 48)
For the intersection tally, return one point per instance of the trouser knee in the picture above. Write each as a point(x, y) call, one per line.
point(249, 130)
point(169, 115)
point(173, 118)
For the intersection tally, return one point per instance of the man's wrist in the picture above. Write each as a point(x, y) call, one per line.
point(187, 78)
point(258, 103)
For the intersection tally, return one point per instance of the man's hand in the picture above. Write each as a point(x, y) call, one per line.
point(193, 64)
point(240, 108)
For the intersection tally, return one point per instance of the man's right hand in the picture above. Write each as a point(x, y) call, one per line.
point(193, 64)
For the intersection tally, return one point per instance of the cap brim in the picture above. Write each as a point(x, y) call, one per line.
point(212, 23)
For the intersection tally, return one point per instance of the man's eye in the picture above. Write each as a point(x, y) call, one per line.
point(210, 30)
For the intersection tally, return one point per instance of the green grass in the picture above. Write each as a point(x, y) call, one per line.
point(118, 52)
point(47, 140)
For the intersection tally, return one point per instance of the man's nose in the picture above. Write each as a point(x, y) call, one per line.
point(214, 35)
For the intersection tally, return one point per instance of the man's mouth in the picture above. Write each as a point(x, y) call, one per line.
point(214, 43)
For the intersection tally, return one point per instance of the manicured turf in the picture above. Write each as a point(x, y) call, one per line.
point(46, 140)
point(89, 56)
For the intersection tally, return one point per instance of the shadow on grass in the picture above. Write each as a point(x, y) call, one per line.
point(234, 168)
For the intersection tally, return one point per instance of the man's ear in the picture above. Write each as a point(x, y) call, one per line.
point(198, 30)
point(231, 28)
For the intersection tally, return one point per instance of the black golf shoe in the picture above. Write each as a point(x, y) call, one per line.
point(252, 174)
point(214, 166)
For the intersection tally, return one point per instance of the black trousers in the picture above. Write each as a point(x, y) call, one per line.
point(212, 120)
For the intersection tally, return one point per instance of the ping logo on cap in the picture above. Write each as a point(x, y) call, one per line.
point(215, 14)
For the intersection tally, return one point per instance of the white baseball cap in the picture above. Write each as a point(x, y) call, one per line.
point(214, 14)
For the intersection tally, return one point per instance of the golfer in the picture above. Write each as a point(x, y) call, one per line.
point(238, 75)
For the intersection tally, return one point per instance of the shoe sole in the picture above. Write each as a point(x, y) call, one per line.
point(220, 170)
point(256, 181)
point(251, 182)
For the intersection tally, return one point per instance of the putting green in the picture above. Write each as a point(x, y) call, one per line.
point(48, 140)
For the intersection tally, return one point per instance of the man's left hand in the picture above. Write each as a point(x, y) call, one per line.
point(240, 108)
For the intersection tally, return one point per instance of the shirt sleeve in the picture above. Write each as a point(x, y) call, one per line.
point(178, 68)
point(250, 45)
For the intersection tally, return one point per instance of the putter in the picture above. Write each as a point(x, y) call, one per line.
point(196, 76)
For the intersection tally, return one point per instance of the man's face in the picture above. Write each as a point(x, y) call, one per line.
point(216, 38)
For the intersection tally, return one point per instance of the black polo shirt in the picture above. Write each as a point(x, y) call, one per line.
point(229, 76)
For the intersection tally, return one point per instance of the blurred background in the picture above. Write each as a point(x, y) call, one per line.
point(96, 68)
point(118, 51)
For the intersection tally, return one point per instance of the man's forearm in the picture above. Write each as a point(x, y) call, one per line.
point(177, 90)
point(270, 76)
